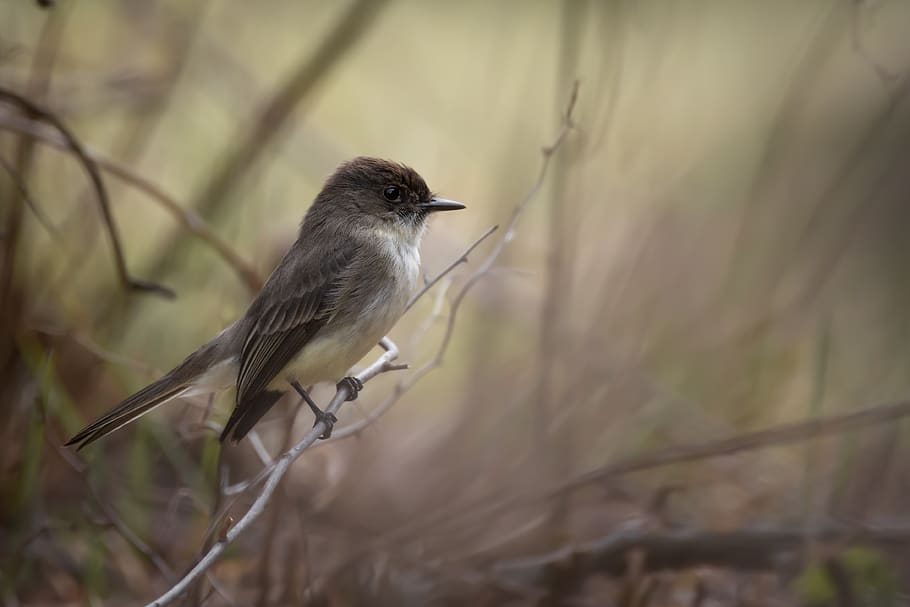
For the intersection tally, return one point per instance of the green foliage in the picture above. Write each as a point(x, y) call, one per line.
point(871, 580)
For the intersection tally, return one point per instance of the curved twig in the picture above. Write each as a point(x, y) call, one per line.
point(35, 112)
point(188, 219)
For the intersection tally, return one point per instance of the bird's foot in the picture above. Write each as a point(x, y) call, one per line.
point(353, 385)
point(328, 419)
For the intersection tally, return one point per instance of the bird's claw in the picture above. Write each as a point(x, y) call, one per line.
point(353, 385)
point(326, 418)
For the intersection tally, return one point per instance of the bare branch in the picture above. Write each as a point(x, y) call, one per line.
point(36, 112)
point(189, 220)
point(42, 218)
point(463, 258)
point(744, 549)
point(282, 465)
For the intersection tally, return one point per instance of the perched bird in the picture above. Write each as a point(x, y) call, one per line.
point(342, 285)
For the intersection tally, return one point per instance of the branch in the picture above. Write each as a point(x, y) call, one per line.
point(36, 112)
point(745, 549)
point(19, 184)
point(463, 258)
point(750, 441)
point(382, 364)
point(189, 220)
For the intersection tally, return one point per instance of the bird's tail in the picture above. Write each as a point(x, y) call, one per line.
point(146, 399)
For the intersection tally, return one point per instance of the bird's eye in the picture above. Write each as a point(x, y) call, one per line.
point(392, 194)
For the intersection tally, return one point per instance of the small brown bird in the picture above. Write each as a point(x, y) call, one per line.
point(342, 285)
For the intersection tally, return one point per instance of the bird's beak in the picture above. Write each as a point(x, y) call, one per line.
point(440, 204)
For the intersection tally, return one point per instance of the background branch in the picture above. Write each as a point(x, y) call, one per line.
point(36, 112)
point(189, 220)
point(743, 550)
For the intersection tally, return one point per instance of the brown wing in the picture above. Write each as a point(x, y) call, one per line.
point(297, 301)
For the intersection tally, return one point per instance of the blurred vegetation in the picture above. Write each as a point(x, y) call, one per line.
point(720, 246)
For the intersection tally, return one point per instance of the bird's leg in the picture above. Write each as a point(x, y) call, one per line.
point(328, 419)
point(353, 385)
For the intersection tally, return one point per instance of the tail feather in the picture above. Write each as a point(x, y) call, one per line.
point(176, 381)
point(130, 409)
point(246, 415)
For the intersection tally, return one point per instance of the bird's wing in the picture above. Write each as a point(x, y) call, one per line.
point(295, 303)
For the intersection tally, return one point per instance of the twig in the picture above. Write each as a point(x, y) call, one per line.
point(79, 467)
point(189, 220)
point(43, 219)
point(463, 258)
point(274, 479)
point(91, 168)
point(405, 384)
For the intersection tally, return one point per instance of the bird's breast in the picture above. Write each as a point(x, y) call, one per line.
point(360, 324)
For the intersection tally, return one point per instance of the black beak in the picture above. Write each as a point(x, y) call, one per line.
point(440, 204)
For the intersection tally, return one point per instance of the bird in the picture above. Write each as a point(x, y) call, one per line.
point(342, 285)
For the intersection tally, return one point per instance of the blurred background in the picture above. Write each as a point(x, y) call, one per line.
point(719, 246)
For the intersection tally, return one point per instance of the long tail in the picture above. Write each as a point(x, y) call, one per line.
point(146, 399)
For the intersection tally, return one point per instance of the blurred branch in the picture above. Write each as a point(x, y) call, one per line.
point(36, 88)
point(189, 220)
point(79, 467)
point(273, 115)
point(34, 112)
point(746, 549)
point(282, 465)
point(781, 435)
point(887, 76)
point(19, 184)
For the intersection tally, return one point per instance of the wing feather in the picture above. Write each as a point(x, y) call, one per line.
point(304, 296)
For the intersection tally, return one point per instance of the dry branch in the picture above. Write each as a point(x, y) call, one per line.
point(745, 549)
point(189, 220)
point(35, 112)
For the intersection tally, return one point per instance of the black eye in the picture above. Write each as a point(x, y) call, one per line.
point(392, 194)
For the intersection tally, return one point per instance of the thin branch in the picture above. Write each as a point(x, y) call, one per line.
point(463, 258)
point(189, 220)
point(36, 112)
point(282, 465)
point(79, 467)
point(39, 214)
point(406, 383)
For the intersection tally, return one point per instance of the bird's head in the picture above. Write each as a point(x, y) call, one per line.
point(378, 192)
